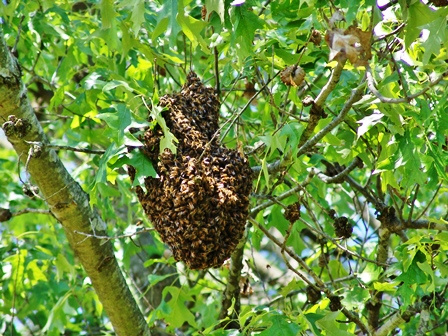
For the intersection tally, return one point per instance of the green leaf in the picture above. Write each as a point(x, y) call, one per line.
point(425, 267)
point(53, 317)
point(63, 267)
point(138, 13)
point(126, 41)
point(161, 27)
point(17, 262)
point(435, 39)
point(168, 140)
point(167, 23)
point(101, 175)
point(107, 13)
point(35, 272)
point(116, 83)
point(291, 286)
point(245, 23)
point(414, 275)
point(154, 279)
point(280, 325)
point(215, 6)
point(277, 219)
point(370, 273)
point(331, 327)
point(312, 319)
point(143, 167)
point(178, 311)
point(419, 15)
point(192, 28)
point(386, 286)
point(118, 121)
point(355, 297)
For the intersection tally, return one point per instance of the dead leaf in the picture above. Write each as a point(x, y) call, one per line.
point(352, 44)
point(292, 75)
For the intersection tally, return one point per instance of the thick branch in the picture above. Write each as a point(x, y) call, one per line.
point(340, 177)
point(421, 224)
point(66, 200)
point(397, 319)
point(317, 109)
point(331, 84)
point(354, 97)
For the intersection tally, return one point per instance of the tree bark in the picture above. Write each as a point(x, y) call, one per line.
point(66, 200)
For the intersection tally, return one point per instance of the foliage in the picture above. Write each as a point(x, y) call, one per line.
point(362, 142)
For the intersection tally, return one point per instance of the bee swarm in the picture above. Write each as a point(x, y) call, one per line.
point(199, 202)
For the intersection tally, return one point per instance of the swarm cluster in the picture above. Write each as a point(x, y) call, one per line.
point(199, 202)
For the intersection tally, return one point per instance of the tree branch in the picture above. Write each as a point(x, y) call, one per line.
point(286, 194)
point(319, 284)
point(387, 5)
point(232, 291)
point(407, 99)
point(423, 323)
point(419, 224)
point(317, 108)
point(129, 235)
point(340, 177)
point(68, 202)
point(354, 97)
point(398, 318)
point(79, 150)
point(30, 210)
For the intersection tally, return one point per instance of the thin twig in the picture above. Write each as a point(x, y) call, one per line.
point(354, 97)
point(293, 255)
point(316, 112)
point(398, 318)
point(396, 30)
point(421, 224)
point(407, 99)
point(75, 149)
point(19, 30)
point(413, 202)
point(232, 291)
point(129, 235)
point(379, 205)
point(430, 202)
point(286, 194)
point(245, 106)
point(319, 286)
point(394, 201)
point(31, 210)
point(330, 85)
point(218, 86)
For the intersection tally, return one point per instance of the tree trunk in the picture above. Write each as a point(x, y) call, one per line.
point(66, 200)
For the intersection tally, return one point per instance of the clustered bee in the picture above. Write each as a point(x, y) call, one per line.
point(200, 200)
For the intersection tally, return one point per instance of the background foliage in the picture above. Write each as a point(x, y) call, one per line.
point(92, 68)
